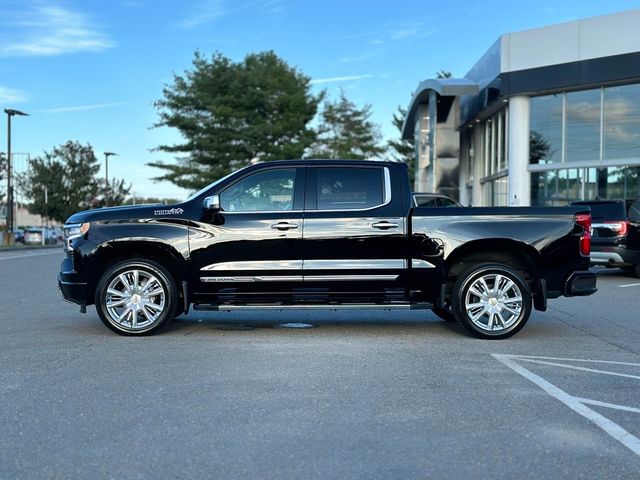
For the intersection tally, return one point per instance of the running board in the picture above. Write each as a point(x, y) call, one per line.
point(344, 306)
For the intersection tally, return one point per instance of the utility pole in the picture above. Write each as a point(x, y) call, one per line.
point(10, 113)
point(106, 176)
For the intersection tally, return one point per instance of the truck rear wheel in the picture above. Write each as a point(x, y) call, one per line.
point(491, 301)
point(136, 297)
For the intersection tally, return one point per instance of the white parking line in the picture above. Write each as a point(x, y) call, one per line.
point(629, 285)
point(574, 403)
point(582, 369)
point(614, 406)
point(31, 255)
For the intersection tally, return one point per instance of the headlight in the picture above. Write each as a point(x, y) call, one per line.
point(76, 229)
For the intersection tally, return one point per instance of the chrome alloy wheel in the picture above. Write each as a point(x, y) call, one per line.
point(493, 302)
point(135, 299)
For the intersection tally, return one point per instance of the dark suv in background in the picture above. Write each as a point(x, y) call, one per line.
point(615, 233)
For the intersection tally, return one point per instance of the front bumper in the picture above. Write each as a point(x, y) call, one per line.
point(71, 285)
point(74, 292)
point(580, 284)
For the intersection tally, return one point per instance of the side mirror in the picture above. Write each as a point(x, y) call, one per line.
point(211, 203)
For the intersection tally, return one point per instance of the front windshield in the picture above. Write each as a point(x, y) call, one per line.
point(211, 185)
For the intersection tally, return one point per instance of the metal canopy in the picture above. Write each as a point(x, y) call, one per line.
point(445, 87)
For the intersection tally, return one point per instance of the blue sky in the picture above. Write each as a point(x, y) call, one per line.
point(90, 70)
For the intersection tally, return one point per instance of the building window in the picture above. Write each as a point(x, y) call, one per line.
point(559, 187)
point(494, 153)
point(546, 129)
point(622, 122)
point(583, 111)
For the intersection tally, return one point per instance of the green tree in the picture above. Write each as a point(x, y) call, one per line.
point(232, 113)
point(346, 132)
point(402, 150)
point(69, 175)
point(443, 74)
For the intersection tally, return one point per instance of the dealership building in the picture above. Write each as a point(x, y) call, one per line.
point(546, 116)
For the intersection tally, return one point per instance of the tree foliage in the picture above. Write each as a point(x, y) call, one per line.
point(346, 132)
point(69, 174)
point(232, 113)
point(443, 74)
point(402, 150)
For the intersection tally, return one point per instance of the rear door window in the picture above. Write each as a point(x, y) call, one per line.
point(349, 188)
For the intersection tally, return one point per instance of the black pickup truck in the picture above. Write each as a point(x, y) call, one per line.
point(323, 234)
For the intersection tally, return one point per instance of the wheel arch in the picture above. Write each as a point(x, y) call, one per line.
point(518, 255)
point(110, 253)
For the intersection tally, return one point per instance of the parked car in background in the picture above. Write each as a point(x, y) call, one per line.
point(18, 235)
point(33, 236)
point(615, 233)
point(433, 200)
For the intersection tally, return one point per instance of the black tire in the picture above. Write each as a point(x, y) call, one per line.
point(471, 309)
point(636, 270)
point(156, 301)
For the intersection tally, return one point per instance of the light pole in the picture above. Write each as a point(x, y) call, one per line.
point(10, 113)
point(106, 176)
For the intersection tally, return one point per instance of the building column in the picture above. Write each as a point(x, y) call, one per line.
point(518, 147)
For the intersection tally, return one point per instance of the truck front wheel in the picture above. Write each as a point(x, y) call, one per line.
point(136, 297)
point(491, 301)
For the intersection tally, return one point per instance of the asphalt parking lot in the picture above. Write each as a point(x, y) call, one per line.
point(359, 395)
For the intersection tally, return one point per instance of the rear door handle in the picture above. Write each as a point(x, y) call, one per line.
point(284, 226)
point(384, 225)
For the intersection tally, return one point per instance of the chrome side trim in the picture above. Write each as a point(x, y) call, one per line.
point(255, 265)
point(348, 278)
point(264, 278)
point(348, 264)
point(382, 264)
point(418, 263)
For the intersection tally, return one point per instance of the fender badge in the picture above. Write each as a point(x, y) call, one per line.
point(172, 211)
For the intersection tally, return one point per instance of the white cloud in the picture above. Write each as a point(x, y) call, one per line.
point(41, 30)
point(347, 78)
point(81, 108)
point(356, 58)
point(209, 11)
point(11, 95)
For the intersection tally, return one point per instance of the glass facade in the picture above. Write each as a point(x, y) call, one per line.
point(582, 126)
point(622, 122)
point(585, 145)
point(545, 141)
point(554, 188)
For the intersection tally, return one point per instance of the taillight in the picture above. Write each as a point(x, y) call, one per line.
point(584, 220)
point(621, 228)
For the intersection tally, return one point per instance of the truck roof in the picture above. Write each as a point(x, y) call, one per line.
point(328, 162)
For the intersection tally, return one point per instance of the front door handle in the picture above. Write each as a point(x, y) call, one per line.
point(384, 225)
point(284, 226)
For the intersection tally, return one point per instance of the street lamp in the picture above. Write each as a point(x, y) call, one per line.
point(106, 176)
point(10, 113)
